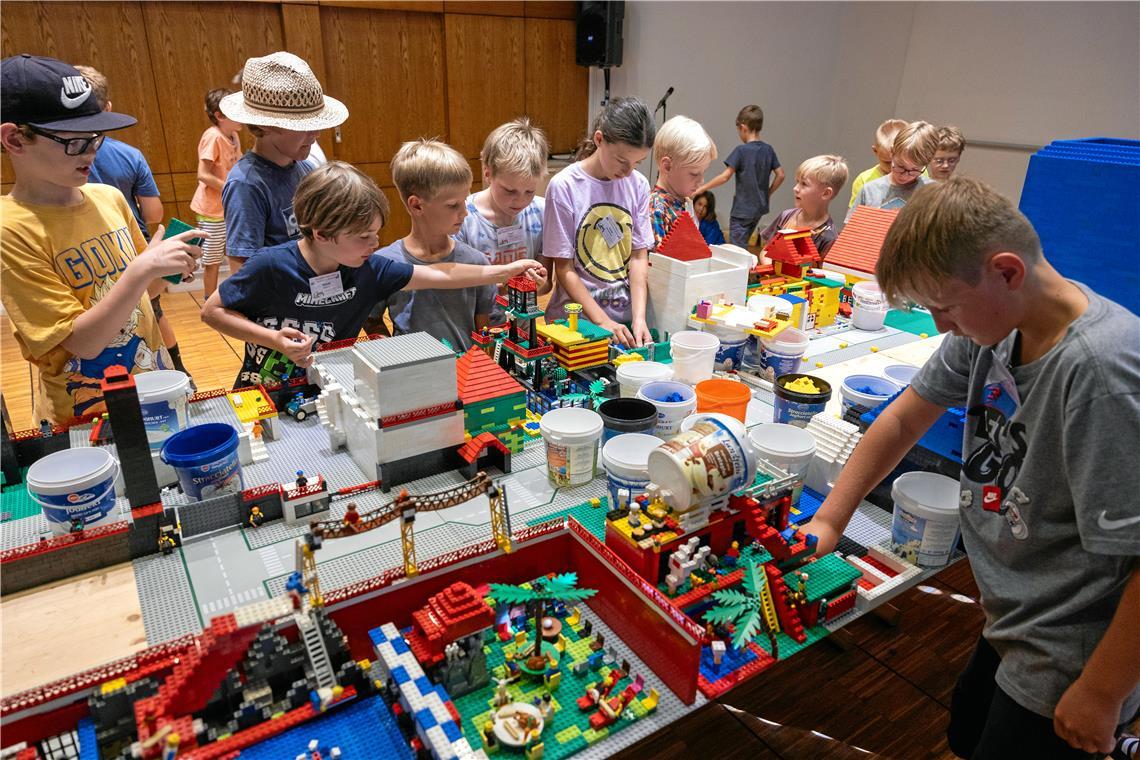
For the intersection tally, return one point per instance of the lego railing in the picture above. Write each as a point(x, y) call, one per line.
point(67, 539)
point(646, 589)
point(260, 492)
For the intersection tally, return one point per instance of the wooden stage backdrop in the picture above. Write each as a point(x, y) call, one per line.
point(452, 70)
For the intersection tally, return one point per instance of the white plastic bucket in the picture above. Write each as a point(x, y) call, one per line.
point(75, 484)
point(925, 526)
point(162, 398)
point(862, 393)
point(571, 435)
point(626, 460)
point(781, 354)
point(728, 421)
point(788, 447)
point(900, 373)
point(669, 413)
point(707, 462)
point(730, 355)
point(632, 375)
point(694, 354)
point(868, 306)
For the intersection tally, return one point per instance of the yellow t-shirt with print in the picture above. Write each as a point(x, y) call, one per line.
point(55, 263)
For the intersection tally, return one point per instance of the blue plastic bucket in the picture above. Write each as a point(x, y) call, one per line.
point(206, 460)
point(74, 484)
point(862, 393)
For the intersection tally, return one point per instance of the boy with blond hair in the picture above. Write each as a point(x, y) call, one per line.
point(295, 297)
point(504, 219)
point(74, 263)
point(913, 148)
point(433, 180)
point(753, 163)
point(1048, 502)
point(818, 180)
point(951, 143)
point(683, 151)
point(884, 143)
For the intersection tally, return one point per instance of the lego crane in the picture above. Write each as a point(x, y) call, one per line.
point(405, 506)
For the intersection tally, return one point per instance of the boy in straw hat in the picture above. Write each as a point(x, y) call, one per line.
point(285, 108)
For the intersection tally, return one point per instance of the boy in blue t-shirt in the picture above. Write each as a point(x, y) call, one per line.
point(305, 293)
point(282, 103)
point(753, 163)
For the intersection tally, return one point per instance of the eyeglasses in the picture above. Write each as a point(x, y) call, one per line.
point(72, 146)
point(905, 171)
point(945, 161)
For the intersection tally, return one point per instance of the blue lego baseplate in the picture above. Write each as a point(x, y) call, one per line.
point(364, 728)
point(944, 437)
point(1082, 239)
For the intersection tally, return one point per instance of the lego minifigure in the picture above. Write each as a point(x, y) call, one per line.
point(302, 481)
point(502, 696)
point(166, 542)
point(45, 429)
point(256, 517)
point(170, 747)
point(76, 525)
point(257, 430)
point(352, 517)
point(295, 588)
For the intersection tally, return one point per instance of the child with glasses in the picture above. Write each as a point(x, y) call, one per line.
point(951, 143)
point(913, 148)
point(74, 263)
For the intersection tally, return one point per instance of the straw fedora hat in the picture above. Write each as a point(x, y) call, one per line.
point(280, 90)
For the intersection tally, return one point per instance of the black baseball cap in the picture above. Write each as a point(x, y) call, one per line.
point(50, 94)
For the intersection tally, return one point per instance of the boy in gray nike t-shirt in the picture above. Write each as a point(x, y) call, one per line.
point(1049, 373)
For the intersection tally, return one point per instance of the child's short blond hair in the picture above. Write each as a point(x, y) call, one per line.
point(887, 132)
point(99, 87)
point(517, 147)
point(948, 230)
point(950, 138)
point(424, 167)
point(917, 141)
point(685, 141)
point(337, 198)
point(827, 170)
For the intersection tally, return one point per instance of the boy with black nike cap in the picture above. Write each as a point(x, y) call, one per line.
point(74, 277)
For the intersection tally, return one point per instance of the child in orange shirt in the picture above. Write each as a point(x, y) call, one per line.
point(218, 150)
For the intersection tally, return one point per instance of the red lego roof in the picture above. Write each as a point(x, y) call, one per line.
point(861, 241)
point(525, 284)
point(684, 241)
point(471, 450)
point(797, 248)
point(478, 378)
point(453, 613)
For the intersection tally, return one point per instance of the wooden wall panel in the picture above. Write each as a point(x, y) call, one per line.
point(567, 9)
point(557, 90)
point(484, 86)
point(197, 46)
point(112, 37)
point(388, 69)
point(301, 30)
point(485, 7)
point(418, 6)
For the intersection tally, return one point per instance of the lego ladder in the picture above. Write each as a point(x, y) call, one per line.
point(315, 647)
point(767, 607)
point(500, 519)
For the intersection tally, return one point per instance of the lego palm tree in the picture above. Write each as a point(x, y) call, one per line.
point(561, 587)
point(746, 610)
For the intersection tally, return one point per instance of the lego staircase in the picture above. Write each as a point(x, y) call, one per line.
point(257, 450)
point(790, 621)
point(315, 647)
point(766, 605)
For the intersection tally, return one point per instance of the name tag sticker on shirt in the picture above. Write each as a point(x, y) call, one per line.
point(610, 230)
point(326, 285)
point(510, 236)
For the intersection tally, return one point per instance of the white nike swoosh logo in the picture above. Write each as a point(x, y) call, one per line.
point(1107, 524)
point(72, 102)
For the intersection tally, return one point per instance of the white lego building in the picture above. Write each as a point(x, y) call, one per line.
point(401, 418)
point(675, 286)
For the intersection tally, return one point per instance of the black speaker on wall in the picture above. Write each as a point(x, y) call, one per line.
point(599, 33)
